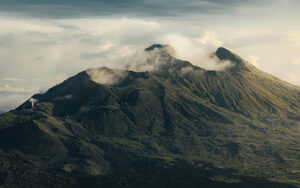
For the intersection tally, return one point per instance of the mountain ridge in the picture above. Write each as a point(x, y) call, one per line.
point(222, 128)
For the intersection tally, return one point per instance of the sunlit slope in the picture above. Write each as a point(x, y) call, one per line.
point(246, 90)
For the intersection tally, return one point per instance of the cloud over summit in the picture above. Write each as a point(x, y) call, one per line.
point(44, 41)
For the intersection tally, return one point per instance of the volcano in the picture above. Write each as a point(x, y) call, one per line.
point(177, 125)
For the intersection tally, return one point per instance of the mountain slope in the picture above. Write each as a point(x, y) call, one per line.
point(178, 125)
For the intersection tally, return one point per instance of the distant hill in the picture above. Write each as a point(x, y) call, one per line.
point(178, 125)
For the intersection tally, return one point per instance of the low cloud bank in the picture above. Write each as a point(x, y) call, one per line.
point(157, 56)
point(150, 59)
point(179, 47)
point(198, 51)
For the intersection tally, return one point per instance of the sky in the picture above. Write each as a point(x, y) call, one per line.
point(43, 42)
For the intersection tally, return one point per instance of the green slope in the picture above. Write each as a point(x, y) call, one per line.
point(168, 128)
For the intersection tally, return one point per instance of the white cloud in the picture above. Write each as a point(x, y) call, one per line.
point(294, 79)
point(296, 62)
point(104, 75)
point(110, 25)
point(33, 102)
point(293, 38)
point(209, 38)
point(185, 48)
point(198, 54)
point(254, 60)
point(60, 78)
point(48, 51)
point(15, 79)
point(9, 88)
point(12, 101)
point(12, 25)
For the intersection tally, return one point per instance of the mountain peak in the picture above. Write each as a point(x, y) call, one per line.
point(240, 64)
point(225, 54)
point(164, 49)
point(154, 46)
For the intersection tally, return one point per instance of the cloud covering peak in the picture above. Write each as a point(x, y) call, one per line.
point(106, 76)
